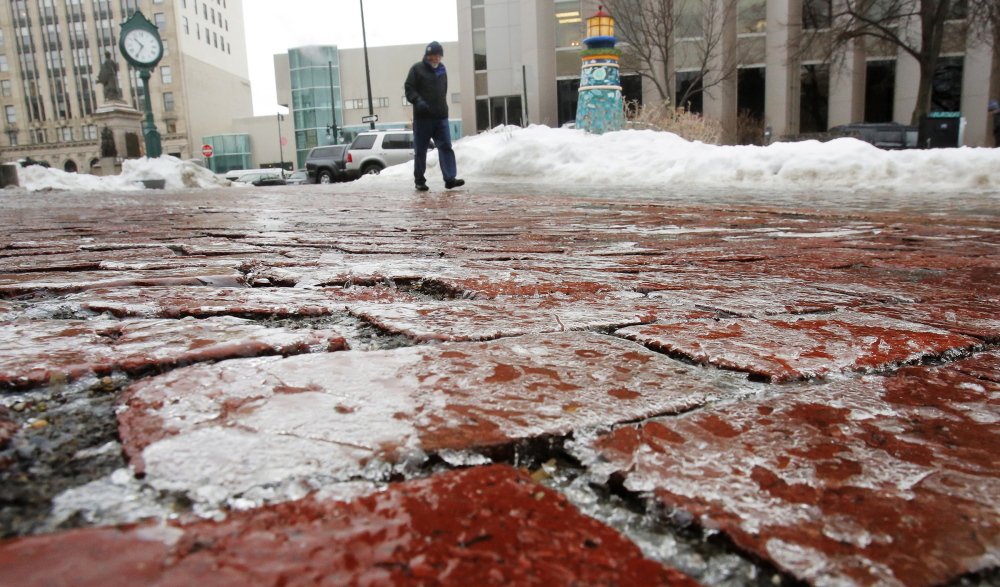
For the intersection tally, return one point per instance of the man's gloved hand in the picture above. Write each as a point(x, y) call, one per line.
point(422, 107)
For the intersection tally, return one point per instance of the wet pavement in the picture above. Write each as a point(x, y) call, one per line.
point(358, 384)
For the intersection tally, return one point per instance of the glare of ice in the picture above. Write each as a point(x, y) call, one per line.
point(168, 535)
point(463, 458)
point(116, 499)
point(178, 174)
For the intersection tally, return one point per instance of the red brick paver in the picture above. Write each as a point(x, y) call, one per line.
point(877, 481)
point(489, 525)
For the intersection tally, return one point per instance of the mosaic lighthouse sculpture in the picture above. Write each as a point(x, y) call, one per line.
point(599, 107)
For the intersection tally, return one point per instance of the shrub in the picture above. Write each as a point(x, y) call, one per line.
point(665, 118)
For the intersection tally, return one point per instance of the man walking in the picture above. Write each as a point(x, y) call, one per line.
point(427, 89)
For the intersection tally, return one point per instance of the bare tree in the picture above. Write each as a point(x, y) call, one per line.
point(653, 31)
point(916, 27)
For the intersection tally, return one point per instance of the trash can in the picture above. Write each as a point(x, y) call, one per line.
point(940, 130)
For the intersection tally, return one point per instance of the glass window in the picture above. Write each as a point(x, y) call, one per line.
point(6, 87)
point(12, 138)
point(215, 39)
point(816, 14)
point(3, 63)
point(171, 127)
point(166, 76)
point(479, 50)
point(161, 21)
point(90, 131)
point(478, 17)
point(364, 142)
point(751, 16)
point(11, 115)
point(197, 31)
point(1, 38)
point(569, 24)
point(168, 101)
point(398, 141)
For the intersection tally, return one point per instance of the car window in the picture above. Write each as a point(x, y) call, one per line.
point(249, 178)
point(321, 153)
point(398, 141)
point(297, 175)
point(364, 142)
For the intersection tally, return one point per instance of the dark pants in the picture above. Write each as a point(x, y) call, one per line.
point(425, 129)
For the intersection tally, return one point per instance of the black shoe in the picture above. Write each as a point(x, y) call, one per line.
point(454, 183)
point(422, 187)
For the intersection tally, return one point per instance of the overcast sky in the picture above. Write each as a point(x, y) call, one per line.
point(275, 26)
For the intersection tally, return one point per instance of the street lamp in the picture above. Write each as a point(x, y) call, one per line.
point(281, 148)
point(331, 130)
point(368, 73)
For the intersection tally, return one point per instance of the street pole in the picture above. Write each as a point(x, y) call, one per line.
point(368, 73)
point(333, 106)
point(150, 134)
point(281, 148)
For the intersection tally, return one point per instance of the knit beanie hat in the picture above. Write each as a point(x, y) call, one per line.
point(434, 48)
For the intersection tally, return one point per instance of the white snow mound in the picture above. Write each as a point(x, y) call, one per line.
point(540, 154)
point(177, 174)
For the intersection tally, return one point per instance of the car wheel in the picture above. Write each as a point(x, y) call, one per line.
point(371, 169)
point(325, 177)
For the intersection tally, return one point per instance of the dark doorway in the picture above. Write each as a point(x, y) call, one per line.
point(880, 91)
point(814, 100)
point(690, 81)
point(132, 146)
point(632, 88)
point(750, 90)
point(70, 166)
point(568, 91)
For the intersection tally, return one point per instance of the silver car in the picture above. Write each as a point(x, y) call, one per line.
point(373, 151)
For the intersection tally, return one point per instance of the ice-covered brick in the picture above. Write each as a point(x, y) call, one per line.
point(214, 246)
point(757, 297)
point(222, 430)
point(877, 481)
point(12, 285)
point(801, 347)
point(47, 351)
point(978, 318)
point(487, 525)
point(458, 320)
point(983, 366)
point(980, 281)
point(176, 302)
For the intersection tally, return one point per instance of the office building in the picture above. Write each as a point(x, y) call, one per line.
point(520, 59)
point(51, 52)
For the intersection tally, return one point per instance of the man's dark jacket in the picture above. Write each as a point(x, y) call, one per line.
point(427, 89)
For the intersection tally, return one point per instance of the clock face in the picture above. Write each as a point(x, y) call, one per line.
point(142, 45)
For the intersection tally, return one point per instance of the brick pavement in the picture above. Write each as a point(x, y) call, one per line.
point(817, 388)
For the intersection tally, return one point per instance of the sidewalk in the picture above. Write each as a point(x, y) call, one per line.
point(299, 386)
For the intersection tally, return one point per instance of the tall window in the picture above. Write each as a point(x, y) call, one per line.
point(11, 114)
point(12, 138)
point(3, 63)
point(168, 101)
point(166, 76)
point(161, 21)
point(187, 29)
point(6, 88)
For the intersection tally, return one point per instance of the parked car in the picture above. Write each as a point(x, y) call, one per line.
point(263, 178)
point(236, 174)
point(884, 135)
point(373, 151)
point(327, 164)
point(300, 176)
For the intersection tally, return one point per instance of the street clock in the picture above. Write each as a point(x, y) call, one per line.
point(139, 42)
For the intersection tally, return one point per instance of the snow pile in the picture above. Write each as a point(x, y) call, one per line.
point(176, 173)
point(540, 154)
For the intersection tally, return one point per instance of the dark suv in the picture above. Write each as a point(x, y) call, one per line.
point(327, 164)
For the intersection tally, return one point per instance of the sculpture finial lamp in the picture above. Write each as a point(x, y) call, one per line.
point(600, 107)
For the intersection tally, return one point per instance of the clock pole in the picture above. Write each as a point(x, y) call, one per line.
point(152, 136)
point(142, 47)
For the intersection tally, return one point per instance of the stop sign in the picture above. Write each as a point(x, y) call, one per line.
point(207, 150)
